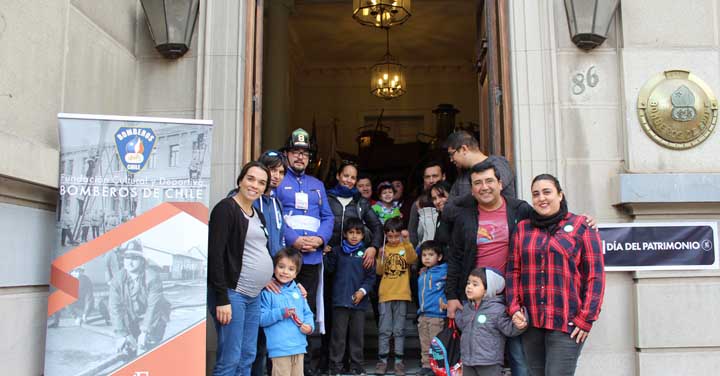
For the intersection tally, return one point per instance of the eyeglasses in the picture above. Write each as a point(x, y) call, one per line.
point(451, 154)
point(298, 153)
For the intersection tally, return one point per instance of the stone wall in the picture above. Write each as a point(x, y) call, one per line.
point(576, 116)
point(94, 57)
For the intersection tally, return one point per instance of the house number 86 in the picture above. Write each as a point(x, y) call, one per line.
point(589, 79)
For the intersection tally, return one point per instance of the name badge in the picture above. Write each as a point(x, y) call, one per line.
point(301, 200)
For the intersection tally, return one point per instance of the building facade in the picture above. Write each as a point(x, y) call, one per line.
point(97, 57)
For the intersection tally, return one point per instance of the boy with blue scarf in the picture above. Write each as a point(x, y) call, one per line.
point(351, 286)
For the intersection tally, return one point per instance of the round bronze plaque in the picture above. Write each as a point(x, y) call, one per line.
point(677, 109)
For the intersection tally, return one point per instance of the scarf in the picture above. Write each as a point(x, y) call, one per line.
point(350, 249)
point(343, 191)
point(550, 222)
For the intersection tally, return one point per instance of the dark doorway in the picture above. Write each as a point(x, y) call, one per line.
point(311, 71)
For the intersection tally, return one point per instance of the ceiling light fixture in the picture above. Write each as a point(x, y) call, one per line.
point(381, 13)
point(387, 78)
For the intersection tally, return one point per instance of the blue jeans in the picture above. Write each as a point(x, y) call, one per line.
point(237, 341)
point(516, 355)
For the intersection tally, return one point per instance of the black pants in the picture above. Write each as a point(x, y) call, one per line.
point(324, 361)
point(66, 233)
point(308, 277)
point(95, 231)
point(348, 324)
point(550, 352)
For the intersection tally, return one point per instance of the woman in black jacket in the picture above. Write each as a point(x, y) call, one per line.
point(239, 267)
point(345, 202)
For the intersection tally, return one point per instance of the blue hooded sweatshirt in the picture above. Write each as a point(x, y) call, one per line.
point(284, 337)
point(271, 209)
point(431, 291)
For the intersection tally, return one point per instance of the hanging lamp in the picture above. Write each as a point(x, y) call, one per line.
point(381, 13)
point(387, 78)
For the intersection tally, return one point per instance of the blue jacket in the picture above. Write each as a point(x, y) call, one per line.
point(318, 210)
point(271, 209)
point(284, 337)
point(350, 276)
point(431, 291)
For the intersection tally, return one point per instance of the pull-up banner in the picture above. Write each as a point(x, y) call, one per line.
point(660, 246)
point(128, 275)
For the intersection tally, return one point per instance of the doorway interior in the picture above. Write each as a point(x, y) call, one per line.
point(310, 69)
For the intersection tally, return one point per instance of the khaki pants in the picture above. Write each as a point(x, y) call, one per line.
point(428, 327)
point(288, 365)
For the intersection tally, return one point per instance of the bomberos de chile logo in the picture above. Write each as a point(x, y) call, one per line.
point(134, 146)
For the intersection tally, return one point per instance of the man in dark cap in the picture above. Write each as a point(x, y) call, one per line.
point(308, 219)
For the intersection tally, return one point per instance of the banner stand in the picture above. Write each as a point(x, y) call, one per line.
point(128, 275)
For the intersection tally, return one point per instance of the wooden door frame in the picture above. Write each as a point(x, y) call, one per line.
point(253, 73)
point(493, 64)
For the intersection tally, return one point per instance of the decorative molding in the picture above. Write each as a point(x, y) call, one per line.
point(365, 69)
point(24, 193)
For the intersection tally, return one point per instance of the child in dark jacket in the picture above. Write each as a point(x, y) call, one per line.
point(485, 324)
point(286, 317)
point(432, 303)
point(351, 285)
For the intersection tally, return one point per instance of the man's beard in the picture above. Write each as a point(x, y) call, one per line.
point(298, 170)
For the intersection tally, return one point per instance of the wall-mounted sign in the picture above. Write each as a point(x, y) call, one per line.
point(677, 109)
point(660, 246)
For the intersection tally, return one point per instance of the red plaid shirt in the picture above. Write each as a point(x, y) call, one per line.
point(559, 278)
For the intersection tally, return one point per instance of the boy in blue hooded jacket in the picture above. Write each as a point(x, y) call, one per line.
point(286, 317)
point(351, 286)
point(432, 303)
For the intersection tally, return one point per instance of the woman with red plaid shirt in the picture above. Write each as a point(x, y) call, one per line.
point(555, 280)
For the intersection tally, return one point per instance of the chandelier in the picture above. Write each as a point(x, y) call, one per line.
point(381, 13)
point(387, 78)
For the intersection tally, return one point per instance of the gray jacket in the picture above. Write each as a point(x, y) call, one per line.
point(485, 328)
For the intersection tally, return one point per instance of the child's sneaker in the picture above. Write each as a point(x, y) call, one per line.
point(380, 368)
point(399, 368)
